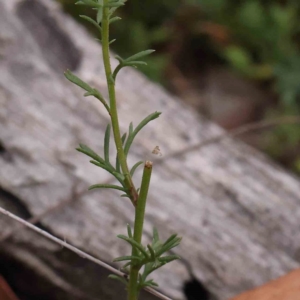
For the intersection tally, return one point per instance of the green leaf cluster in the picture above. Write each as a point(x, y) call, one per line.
point(150, 258)
point(127, 138)
point(104, 162)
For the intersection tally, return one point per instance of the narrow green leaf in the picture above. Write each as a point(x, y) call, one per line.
point(135, 167)
point(95, 93)
point(100, 165)
point(150, 284)
point(87, 3)
point(89, 152)
point(119, 278)
point(130, 128)
point(118, 168)
point(90, 91)
point(76, 80)
point(116, 4)
point(91, 21)
point(115, 19)
point(112, 41)
point(129, 231)
point(139, 55)
point(155, 235)
point(172, 237)
point(166, 247)
point(126, 265)
point(125, 196)
point(133, 243)
point(152, 252)
point(87, 94)
point(109, 168)
point(167, 259)
point(119, 58)
point(106, 186)
point(124, 258)
point(135, 63)
point(124, 138)
point(99, 15)
point(142, 124)
point(106, 143)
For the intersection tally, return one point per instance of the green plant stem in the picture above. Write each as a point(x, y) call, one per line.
point(113, 105)
point(138, 230)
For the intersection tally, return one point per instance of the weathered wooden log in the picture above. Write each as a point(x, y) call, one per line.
point(238, 211)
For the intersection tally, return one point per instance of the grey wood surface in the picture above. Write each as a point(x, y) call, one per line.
point(237, 211)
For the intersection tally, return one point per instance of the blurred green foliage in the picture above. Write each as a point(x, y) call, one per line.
point(263, 41)
point(259, 39)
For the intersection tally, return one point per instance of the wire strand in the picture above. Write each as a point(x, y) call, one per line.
point(75, 250)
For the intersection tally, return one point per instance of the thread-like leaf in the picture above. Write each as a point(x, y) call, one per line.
point(115, 19)
point(125, 196)
point(91, 21)
point(119, 278)
point(124, 138)
point(115, 4)
point(119, 58)
point(76, 80)
point(150, 284)
point(126, 265)
point(89, 152)
point(118, 168)
point(106, 143)
point(133, 243)
point(135, 63)
point(124, 258)
point(139, 55)
point(155, 235)
point(99, 15)
point(129, 231)
point(152, 252)
point(130, 128)
point(106, 186)
point(142, 124)
point(166, 247)
point(109, 168)
point(135, 167)
point(89, 90)
point(167, 259)
point(172, 237)
point(87, 3)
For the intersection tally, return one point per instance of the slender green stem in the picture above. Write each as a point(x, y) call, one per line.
point(113, 105)
point(138, 230)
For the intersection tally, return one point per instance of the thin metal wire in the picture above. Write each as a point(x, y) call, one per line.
point(76, 250)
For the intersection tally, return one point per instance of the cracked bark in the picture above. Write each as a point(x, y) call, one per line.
point(238, 212)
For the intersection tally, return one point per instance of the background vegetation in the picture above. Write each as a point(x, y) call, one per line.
point(257, 39)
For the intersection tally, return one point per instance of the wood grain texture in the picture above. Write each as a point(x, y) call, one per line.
point(238, 212)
